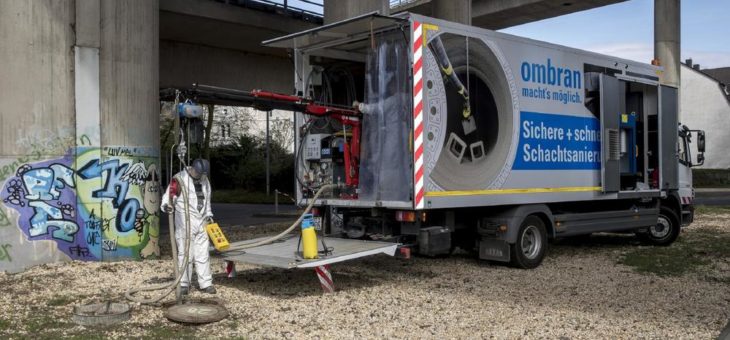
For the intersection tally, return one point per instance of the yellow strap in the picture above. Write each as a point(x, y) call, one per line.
point(508, 191)
point(425, 28)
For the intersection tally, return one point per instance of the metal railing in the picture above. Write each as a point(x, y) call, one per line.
point(314, 8)
point(276, 200)
point(398, 3)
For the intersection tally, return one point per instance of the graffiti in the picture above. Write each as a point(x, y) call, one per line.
point(115, 188)
point(18, 164)
point(136, 174)
point(119, 151)
point(106, 223)
point(93, 238)
point(79, 251)
point(94, 203)
point(15, 193)
point(45, 217)
point(93, 223)
point(33, 188)
point(4, 220)
point(5, 253)
point(84, 140)
point(45, 183)
point(109, 245)
point(67, 209)
point(46, 142)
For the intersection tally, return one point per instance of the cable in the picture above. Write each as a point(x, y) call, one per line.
point(169, 287)
point(297, 156)
point(288, 230)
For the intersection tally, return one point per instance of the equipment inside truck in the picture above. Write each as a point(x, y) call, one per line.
point(360, 64)
point(628, 112)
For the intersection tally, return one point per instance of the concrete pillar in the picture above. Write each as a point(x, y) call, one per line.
point(79, 129)
point(453, 10)
point(337, 10)
point(667, 44)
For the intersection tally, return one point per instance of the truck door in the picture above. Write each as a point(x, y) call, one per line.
point(612, 103)
point(668, 159)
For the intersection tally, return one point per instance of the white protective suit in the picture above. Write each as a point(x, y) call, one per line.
point(198, 220)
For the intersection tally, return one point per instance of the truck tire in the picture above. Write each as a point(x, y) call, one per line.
point(666, 231)
point(531, 246)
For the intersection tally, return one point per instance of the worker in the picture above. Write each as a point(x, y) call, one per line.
point(194, 180)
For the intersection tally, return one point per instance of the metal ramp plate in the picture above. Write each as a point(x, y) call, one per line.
point(283, 254)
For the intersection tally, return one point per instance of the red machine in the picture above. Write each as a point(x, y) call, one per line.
point(346, 116)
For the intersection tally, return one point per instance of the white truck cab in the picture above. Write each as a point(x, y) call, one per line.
point(686, 162)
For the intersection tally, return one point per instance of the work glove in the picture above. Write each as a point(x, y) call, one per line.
point(167, 208)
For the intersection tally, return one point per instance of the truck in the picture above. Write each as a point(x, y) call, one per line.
point(437, 136)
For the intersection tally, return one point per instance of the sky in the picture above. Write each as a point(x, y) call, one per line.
point(626, 30)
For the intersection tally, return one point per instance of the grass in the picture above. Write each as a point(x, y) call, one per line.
point(692, 253)
point(4, 324)
point(711, 209)
point(170, 332)
point(240, 196)
point(711, 178)
point(59, 300)
point(46, 326)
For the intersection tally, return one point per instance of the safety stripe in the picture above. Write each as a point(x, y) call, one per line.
point(417, 115)
point(325, 278)
point(230, 269)
point(509, 191)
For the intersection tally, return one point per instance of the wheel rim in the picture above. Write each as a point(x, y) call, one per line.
point(662, 228)
point(531, 242)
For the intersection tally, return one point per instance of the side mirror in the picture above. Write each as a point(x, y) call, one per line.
point(700, 159)
point(700, 141)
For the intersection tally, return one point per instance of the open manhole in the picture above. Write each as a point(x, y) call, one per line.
point(197, 311)
point(101, 314)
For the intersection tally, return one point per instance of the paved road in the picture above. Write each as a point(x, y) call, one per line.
point(228, 214)
point(243, 214)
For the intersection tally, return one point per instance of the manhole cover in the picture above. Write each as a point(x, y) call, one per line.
point(207, 311)
point(101, 314)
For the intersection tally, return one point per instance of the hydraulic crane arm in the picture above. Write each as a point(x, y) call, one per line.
point(267, 101)
point(348, 117)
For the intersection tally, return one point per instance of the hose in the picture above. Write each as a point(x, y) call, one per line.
point(288, 230)
point(169, 287)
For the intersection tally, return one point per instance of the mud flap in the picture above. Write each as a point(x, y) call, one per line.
point(494, 250)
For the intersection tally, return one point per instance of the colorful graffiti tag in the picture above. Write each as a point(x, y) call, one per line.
point(95, 203)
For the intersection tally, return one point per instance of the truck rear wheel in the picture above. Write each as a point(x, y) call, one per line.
point(666, 230)
point(531, 246)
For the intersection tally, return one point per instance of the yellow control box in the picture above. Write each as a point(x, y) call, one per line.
point(216, 236)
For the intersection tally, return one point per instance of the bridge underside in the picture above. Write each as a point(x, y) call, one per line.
point(216, 43)
point(498, 14)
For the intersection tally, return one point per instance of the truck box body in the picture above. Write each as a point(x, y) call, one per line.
point(548, 123)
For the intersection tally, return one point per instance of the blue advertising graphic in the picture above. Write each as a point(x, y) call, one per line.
point(558, 142)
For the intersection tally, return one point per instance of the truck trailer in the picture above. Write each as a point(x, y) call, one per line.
point(451, 136)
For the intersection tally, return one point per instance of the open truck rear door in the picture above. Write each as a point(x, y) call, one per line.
point(348, 40)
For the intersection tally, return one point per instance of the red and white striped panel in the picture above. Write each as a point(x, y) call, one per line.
point(230, 269)
point(325, 278)
point(686, 199)
point(418, 115)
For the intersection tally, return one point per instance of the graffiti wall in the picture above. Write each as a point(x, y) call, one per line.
point(91, 204)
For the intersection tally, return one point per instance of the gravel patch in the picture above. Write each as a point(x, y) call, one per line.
point(579, 292)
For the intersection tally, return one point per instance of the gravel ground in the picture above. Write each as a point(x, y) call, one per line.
point(579, 292)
